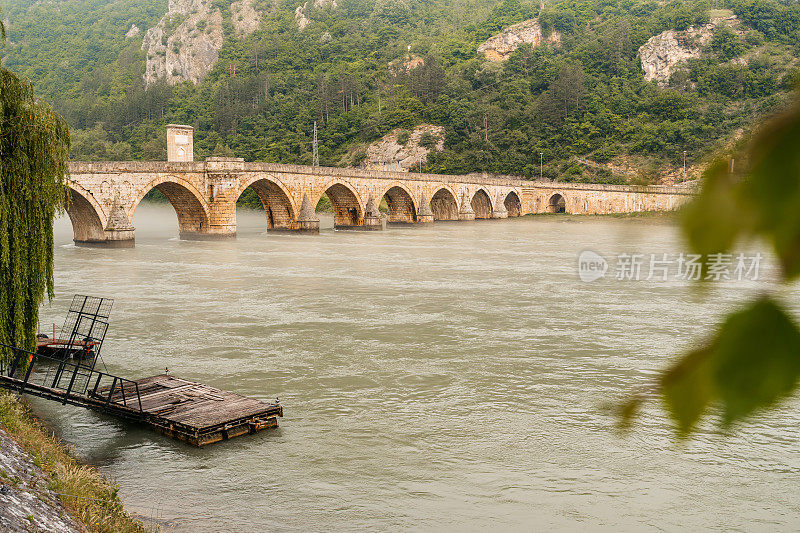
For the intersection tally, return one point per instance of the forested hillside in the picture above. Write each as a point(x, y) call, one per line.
point(362, 69)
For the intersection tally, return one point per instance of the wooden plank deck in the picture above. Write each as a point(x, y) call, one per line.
point(193, 412)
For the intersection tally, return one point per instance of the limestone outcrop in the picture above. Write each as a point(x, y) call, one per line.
point(185, 43)
point(389, 154)
point(133, 32)
point(245, 18)
point(301, 14)
point(663, 54)
point(501, 46)
point(406, 64)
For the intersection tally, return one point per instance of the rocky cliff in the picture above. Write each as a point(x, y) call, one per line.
point(501, 46)
point(663, 54)
point(406, 64)
point(302, 13)
point(185, 43)
point(133, 32)
point(403, 150)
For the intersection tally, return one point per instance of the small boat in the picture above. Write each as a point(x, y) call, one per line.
point(81, 349)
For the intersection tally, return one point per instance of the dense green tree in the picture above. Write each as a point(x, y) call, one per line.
point(365, 68)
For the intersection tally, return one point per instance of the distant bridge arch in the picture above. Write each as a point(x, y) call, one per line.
point(189, 204)
point(401, 204)
point(513, 204)
point(557, 203)
point(348, 209)
point(86, 215)
point(275, 199)
point(481, 203)
point(444, 203)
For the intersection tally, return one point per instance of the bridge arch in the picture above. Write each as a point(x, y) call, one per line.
point(188, 203)
point(281, 213)
point(482, 204)
point(84, 214)
point(347, 206)
point(557, 204)
point(444, 204)
point(400, 201)
point(513, 204)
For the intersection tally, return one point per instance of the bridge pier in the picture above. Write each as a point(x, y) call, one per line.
point(500, 210)
point(466, 212)
point(424, 213)
point(118, 233)
point(372, 218)
point(113, 239)
point(308, 221)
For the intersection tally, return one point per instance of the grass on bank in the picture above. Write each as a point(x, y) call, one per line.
point(93, 499)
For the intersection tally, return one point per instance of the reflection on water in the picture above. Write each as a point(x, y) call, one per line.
point(441, 378)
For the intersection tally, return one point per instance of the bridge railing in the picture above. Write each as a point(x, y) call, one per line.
point(59, 378)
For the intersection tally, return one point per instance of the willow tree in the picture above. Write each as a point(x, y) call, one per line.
point(34, 146)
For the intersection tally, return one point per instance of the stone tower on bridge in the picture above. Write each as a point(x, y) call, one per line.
point(180, 143)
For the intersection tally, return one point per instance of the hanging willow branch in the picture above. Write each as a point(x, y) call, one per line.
point(34, 147)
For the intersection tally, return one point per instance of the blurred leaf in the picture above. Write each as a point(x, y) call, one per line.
point(687, 389)
point(773, 187)
point(753, 361)
point(713, 220)
point(756, 359)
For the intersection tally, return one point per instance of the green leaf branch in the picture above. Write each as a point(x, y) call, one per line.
point(752, 361)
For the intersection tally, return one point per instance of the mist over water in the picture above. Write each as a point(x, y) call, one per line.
point(450, 377)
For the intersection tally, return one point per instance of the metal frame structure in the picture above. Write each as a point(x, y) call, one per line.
point(70, 383)
point(85, 325)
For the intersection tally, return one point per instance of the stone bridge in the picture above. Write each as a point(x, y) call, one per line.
point(104, 197)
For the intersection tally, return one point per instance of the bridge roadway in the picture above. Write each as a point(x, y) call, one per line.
point(104, 197)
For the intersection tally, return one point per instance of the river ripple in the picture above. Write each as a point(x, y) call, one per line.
point(450, 377)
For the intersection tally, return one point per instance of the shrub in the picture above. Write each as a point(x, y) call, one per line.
point(403, 137)
point(727, 44)
point(358, 157)
point(428, 140)
point(605, 153)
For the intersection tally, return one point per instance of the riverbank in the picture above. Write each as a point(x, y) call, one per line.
point(654, 217)
point(43, 487)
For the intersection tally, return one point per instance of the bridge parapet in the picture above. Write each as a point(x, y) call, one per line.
point(225, 164)
point(687, 189)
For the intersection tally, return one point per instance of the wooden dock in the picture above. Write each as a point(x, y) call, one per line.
point(62, 369)
point(190, 411)
point(185, 410)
